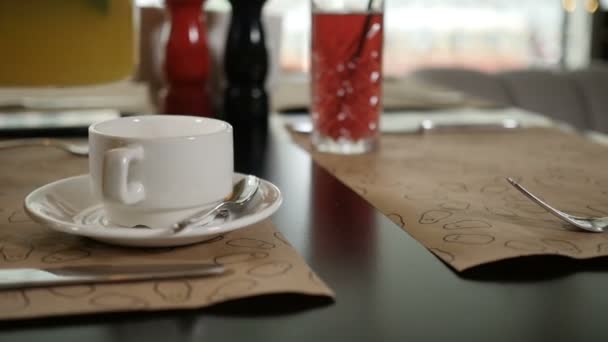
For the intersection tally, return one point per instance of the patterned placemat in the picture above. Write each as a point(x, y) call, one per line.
point(258, 258)
point(449, 191)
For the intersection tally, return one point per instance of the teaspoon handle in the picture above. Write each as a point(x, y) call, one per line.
point(197, 217)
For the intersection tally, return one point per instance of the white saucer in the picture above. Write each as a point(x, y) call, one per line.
point(68, 206)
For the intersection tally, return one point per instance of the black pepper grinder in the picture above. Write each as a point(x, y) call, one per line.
point(246, 64)
point(245, 97)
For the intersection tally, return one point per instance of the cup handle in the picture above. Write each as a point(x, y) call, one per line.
point(116, 172)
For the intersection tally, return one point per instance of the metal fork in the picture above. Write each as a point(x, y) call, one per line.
point(590, 224)
point(79, 149)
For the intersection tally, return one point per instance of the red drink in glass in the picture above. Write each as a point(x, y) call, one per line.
point(346, 80)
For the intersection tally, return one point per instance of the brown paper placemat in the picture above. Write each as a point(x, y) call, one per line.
point(449, 191)
point(259, 260)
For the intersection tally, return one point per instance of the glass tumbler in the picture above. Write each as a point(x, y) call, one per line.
point(346, 74)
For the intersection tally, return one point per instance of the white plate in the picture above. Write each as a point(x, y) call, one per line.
point(68, 206)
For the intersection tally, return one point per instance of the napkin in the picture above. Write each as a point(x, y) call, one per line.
point(449, 192)
point(259, 259)
point(124, 96)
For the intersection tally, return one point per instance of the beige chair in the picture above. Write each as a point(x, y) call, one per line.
point(593, 84)
point(547, 92)
point(471, 82)
point(578, 97)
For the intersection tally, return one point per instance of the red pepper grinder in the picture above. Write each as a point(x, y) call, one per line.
point(187, 61)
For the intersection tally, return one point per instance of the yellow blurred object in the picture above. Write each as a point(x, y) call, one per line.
point(66, 42)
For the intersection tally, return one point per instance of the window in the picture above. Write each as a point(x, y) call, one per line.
point(481, 34)
point(488, 35)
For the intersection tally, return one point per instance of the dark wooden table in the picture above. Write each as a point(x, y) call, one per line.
point(389, 287)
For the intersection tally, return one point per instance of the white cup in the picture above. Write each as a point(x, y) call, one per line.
point(155, 170)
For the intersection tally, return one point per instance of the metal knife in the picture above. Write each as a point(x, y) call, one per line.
point(19, 278)
point(425, 126)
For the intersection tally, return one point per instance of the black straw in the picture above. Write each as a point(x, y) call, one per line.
point(368, 19)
